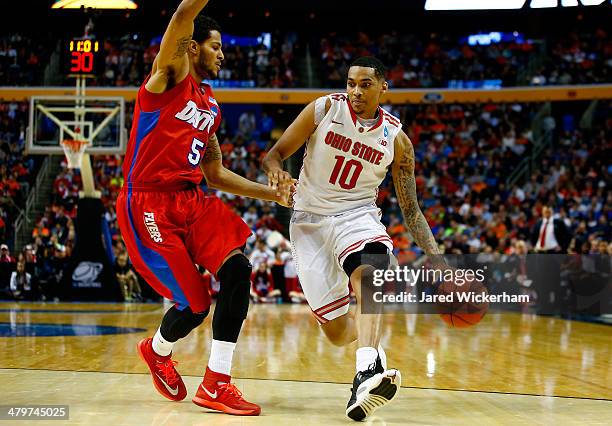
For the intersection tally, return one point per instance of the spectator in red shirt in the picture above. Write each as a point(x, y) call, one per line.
point(5, 255)
point(263, 285)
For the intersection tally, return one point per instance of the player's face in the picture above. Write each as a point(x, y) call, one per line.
point(364, 89)
point(210, 55)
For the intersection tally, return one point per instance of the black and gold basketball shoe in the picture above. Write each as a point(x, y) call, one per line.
point(372, 389)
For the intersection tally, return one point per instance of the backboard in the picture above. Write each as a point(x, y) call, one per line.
point(98, 120)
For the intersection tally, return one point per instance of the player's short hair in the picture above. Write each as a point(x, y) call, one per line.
point(371, 62)
point(202, 26)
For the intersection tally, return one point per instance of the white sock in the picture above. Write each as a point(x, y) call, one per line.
point(221, 354)
point(161, 346)
point(365, 357)
point(383, 357)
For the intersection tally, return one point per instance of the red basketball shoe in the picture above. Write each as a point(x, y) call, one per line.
point(166, 379)
point(217, 393)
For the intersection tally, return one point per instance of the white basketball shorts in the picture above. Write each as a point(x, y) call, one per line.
point(320, 244)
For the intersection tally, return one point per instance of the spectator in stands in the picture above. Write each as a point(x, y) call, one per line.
point(5, 255)
point(277, 272)
point(263, 285)
point(266, 125)
point(251, 217)
point(21, 283)
point(127, 279)
point(549, 235)
point(7, 266)
point(261, 255)
point(246, 125)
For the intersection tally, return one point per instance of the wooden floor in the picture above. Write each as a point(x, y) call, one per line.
point(510, 369)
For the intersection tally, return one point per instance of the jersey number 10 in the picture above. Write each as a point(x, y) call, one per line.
point(351, 167)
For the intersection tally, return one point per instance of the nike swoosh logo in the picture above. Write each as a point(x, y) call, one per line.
point(337, 122)
point(212, 395)
point(173, 392)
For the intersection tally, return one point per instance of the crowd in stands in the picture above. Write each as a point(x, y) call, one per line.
point(413, 61)
point(23, 60)
point(439, 60)
point(577, 59)
point(130, 58)
point(16, 171)
point(464, 155)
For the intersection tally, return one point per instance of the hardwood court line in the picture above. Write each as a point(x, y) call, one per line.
point(584, 381)
point(329, 383)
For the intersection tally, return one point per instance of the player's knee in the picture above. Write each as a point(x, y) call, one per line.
point(376, 255)
point(179, 323)
point(198, 318)
point(235, 269)
point(235, 284)
point(337, 331)
point(336, 338)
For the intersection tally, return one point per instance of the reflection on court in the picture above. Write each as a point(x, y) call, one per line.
point(509, 369)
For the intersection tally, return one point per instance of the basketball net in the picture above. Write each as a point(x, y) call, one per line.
point(74, 151)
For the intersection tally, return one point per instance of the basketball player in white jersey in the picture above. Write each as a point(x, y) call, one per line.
point(336, 233)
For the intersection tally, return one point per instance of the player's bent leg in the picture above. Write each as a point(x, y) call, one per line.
point(373, 385)
point(341, 330)
point(216, 391)
point(157, 351)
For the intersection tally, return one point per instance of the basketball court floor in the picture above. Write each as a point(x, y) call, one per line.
point(510, 369)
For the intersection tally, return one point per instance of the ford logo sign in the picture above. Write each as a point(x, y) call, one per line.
point(433, 97)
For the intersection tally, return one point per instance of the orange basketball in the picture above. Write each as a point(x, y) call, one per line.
point(465, 310)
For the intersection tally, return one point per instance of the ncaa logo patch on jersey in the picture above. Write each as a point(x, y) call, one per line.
point(385, 131)
point(214, 110)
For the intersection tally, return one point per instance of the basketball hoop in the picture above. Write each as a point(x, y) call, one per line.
point(74, 151)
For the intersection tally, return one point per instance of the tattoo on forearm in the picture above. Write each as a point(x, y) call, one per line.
point(181, 47)
point(405, 188)
point(213, 151)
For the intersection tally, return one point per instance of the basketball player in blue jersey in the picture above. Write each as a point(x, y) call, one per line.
point(335, 227)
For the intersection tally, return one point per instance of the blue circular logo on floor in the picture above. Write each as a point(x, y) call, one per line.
point(8, 329)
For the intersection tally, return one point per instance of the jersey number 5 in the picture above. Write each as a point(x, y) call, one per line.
point(194, 155)
point(351, 167)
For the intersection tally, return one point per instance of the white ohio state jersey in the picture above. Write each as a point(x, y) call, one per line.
point(344, 162)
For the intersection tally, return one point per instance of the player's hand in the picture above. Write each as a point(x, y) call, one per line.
point(285, 192)
point(279, 177)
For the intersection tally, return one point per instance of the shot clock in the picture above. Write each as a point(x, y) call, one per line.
point(83, 57)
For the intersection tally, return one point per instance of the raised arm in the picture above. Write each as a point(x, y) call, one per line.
point(292, 139)
point(218, 177)
point(405, 189)
point(171, 65)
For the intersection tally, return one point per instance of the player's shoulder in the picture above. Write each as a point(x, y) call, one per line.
point(335, 100)
point(391, 119)
point(207, 89)
point(338, 97)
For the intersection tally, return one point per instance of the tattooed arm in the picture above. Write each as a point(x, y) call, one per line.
point(405, 189)
point(218, 177)
point(171, 64)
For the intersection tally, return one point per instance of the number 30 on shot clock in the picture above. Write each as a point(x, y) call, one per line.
point(83, 56)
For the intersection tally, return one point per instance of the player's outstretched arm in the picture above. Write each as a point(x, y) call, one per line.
point(405, 189)
point(171, 64)
point(292, 139)
point(218, 177)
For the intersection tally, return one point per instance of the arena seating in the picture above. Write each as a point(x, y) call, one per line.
point(464, 155)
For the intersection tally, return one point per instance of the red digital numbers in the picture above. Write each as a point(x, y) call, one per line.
point(82, 62)
point(352, 167)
